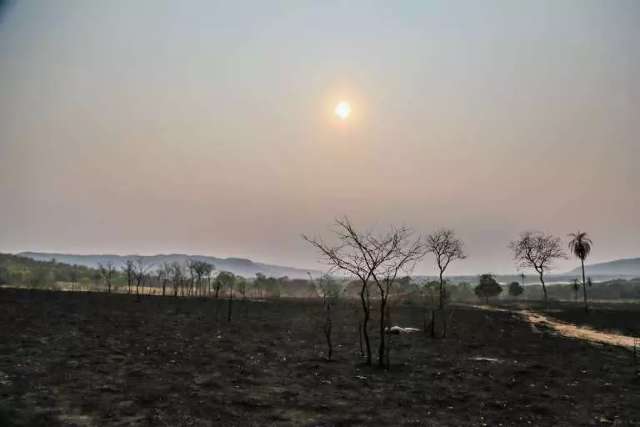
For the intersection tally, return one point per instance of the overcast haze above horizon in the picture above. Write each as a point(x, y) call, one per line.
point(208, 127)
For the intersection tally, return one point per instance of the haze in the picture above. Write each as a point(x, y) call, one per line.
point(208, 127)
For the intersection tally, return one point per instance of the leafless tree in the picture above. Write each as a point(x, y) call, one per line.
point(200, 271)
point(241, 286)
point(129, 270)
point(446, 248)
point(177, 277)
point(370, 257)
point(107, 271)
point(538, 251)
point(164, 276)
point(224, 280)
point(329, 291)
point(192, 276)
point(400, 254)
point(349, 256)
point(140, 274)
point(230, 283)
point(221, 282)
point(430, 295)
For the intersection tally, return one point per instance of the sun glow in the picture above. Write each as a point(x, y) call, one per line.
point(343, 110)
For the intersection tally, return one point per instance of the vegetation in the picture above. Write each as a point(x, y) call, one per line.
point(446, 248)
point(488, 287)
point(329, 291)
point(373, 258)
point(16, 270)
point(538, 251)
point(580, 246)
point(515, 289)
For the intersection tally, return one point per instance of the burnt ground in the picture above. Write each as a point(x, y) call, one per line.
point(96, 359)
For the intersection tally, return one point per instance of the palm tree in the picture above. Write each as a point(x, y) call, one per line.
point(580, 246)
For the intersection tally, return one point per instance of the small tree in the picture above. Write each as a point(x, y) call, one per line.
point(129, 269)
point(221, 282)
point(177, 277)
point(230, 283)
point(576, 287)
point(201, 270)
point(538, 251)
point(446, 248)
point(515, 289)
point(224, 280)
point(241, 286)
point(430, 296)
point(107, 271)
point(140, 274)
point(488, 287)
point(329, 290)
point(371, 257)
point(164, 274)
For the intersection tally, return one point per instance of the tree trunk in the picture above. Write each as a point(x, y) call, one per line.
point(365, 320)
point(433, 323)
point(360, 337)
point(327, 331)
point(230, 305)
point(388, 345)
point(441, 292)
point(424, 319)
point(544, 288)
point(444, 323)
point(584, 288)
point(383, 304)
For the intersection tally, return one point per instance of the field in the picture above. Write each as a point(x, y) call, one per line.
point(95, 359)
point(622, 317)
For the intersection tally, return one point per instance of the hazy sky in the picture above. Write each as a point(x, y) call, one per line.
point(208, 127)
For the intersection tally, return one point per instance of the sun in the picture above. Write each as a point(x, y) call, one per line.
point(343, 110)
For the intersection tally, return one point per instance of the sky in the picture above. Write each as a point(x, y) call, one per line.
point(208, 127)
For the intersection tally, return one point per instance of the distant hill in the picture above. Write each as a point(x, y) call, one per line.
point(629, 267)
point(240, 266)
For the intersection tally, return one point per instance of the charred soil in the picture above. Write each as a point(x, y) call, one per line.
point(97, 359)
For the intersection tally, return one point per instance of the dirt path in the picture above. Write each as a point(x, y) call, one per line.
point(571, 330)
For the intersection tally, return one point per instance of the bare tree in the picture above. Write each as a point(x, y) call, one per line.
point(200, 272)
point(129, 270)
point(430, 295)
point(329, 290)
point(400, 253)
point(192, 276)
point(538, 251)
point(177, 277)
point(371, 257)
point(241, 286)
point(230, 283)
point(224, 280)
point(140, 274)
point(349, 256)
point(221, 282)
point(107, 271)
point(164, 276)
point(446, 248)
